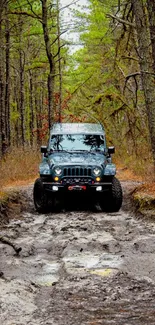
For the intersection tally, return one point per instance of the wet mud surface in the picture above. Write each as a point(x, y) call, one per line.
point(78, 266)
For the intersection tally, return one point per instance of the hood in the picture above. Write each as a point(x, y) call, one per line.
point(86, 158)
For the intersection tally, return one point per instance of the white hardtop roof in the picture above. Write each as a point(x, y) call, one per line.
point(77, 128)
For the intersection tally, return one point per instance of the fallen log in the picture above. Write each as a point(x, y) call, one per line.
point(6, 241)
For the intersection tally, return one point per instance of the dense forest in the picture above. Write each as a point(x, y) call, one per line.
point(109, 78)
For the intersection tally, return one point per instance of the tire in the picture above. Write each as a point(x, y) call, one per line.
point(40, 197)
point(112, 202)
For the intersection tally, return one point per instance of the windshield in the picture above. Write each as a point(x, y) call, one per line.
point(77, 142)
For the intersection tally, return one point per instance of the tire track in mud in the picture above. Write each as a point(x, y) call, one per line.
point(78, 267)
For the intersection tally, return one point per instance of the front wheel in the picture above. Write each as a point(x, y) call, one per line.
point(40, 196)
point(112, 201)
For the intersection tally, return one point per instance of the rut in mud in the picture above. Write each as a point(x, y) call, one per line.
point(78, 267)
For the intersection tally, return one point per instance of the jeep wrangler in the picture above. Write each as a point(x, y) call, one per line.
point(77, 161)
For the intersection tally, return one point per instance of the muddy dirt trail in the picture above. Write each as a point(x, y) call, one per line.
point(78, 267)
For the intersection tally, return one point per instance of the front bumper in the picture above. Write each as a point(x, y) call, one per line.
point(85, 188)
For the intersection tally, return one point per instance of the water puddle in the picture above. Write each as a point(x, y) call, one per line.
point(48, 274)
point(104, 272)
point(46, 280)
point(103, 265)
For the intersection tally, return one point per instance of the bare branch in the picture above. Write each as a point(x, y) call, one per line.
point(122, 21)
point(35, 15)
point(138, 74)
point(58, 59)
point(4, 240)
point(129, 58)
point(58, 37)
point(119, 7)
point(133, 75)
point(81, 85)
point(24, 13)
point(70, 4)
point(58, 52)
point(119, 109)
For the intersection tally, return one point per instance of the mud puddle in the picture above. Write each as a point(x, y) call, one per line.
point(78, 267)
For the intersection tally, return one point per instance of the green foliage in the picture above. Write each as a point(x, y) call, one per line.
point(94, 78)
point(14, 114)
point(97, 78)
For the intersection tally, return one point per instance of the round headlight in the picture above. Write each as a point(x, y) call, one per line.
point(97, 171)
point(58, 171)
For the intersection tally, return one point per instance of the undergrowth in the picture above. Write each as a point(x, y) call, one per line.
point(19, 165)
point(140, 168)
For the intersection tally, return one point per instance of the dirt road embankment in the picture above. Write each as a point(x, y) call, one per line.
point(13, 201)
point(78, 266)
point(144, 200)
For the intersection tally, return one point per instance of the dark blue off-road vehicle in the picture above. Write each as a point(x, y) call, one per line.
point(77, 162)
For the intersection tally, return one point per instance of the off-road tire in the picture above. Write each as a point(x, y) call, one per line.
point(40, 197)
point(112, 202)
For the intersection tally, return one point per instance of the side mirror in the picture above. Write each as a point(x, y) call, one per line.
point(43, 149)
point(111, 150)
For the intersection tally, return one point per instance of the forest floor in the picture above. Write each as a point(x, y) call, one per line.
point(77, 265)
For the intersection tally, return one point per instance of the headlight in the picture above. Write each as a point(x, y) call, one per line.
point(58, 171)
point(96, 171)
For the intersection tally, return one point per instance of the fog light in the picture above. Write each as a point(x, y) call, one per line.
point(99, 188)
point(55, 188)
point(98, 179)
point(56, 179)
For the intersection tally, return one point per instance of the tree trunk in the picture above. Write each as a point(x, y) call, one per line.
point(16, 135)
point(39, 103)
point(2, 94)
point(31, 104)
point(7, 86)
point(38, 120)
point(22, 111)
point(145, 61)
point(59, 65)
point(151, 12)
point(51, 76)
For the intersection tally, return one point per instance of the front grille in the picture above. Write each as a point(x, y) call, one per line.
point(76, 180)
point(77, 171)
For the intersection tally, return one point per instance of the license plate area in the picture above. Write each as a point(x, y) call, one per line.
point(77, 188)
